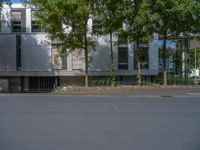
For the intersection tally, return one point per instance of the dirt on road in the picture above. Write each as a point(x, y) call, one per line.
point(133, 90)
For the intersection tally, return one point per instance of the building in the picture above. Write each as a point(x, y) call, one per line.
point(30, 61)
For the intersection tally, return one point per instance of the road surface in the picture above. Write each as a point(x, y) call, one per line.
point(84, 122)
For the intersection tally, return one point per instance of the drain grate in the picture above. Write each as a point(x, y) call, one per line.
point(166, 96)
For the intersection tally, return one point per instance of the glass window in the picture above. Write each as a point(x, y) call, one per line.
point(36, 26)
point(123, 58)
point(97, 27)
point(16, 26)
point(35, 23)
point(33, 16)
point(122, 39)
point(16, 15)
point(16, 20)
point(144, 58)
point(172, 55)
point(1, 22)
point(18, 51)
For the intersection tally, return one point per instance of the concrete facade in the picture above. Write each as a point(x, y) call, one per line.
point(37, 56)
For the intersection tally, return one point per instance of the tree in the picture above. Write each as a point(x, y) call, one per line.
point(109, 14)
point(67, 21)
point(139, 18)
point(8, 2)
point(4, 2)
point(193, 24)
point(175, 17)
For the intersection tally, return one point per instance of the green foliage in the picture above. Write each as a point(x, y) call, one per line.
point(109, 14)
point(180, 81)
point(5, 2)
point(72, 15)
point(102, 82)
point(175, 17)
point(139, 19)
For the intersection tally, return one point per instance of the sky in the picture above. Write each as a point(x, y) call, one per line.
point(170, 44)
point(16, 1)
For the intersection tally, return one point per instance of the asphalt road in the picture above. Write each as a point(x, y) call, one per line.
point(99, 123)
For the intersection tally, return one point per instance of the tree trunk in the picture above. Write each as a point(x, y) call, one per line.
point(113, 78)
point(86, 68)
point(164, 59)
point(86, 56)
point(139, 75)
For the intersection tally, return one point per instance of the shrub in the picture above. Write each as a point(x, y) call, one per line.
point(180, 81)
point(101, 82)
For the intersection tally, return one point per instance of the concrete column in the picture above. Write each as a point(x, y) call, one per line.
point(153, 55)
point(69, 62)
point(130, 56)
point(25, 84)
point(115, 52)
point(28, 20)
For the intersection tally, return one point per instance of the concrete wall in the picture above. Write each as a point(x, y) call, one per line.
point(100, 60)
point(153, 55)
point(7, 52)
point(4, 85)
point(14, 84)
point(35, 48)
point(36, 52)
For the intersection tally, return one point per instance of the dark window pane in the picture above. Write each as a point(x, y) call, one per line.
point(36, 26)
point(16, 26)
point(18, 51)
point(144, 58)
point(17, 20)
point(123, 58)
